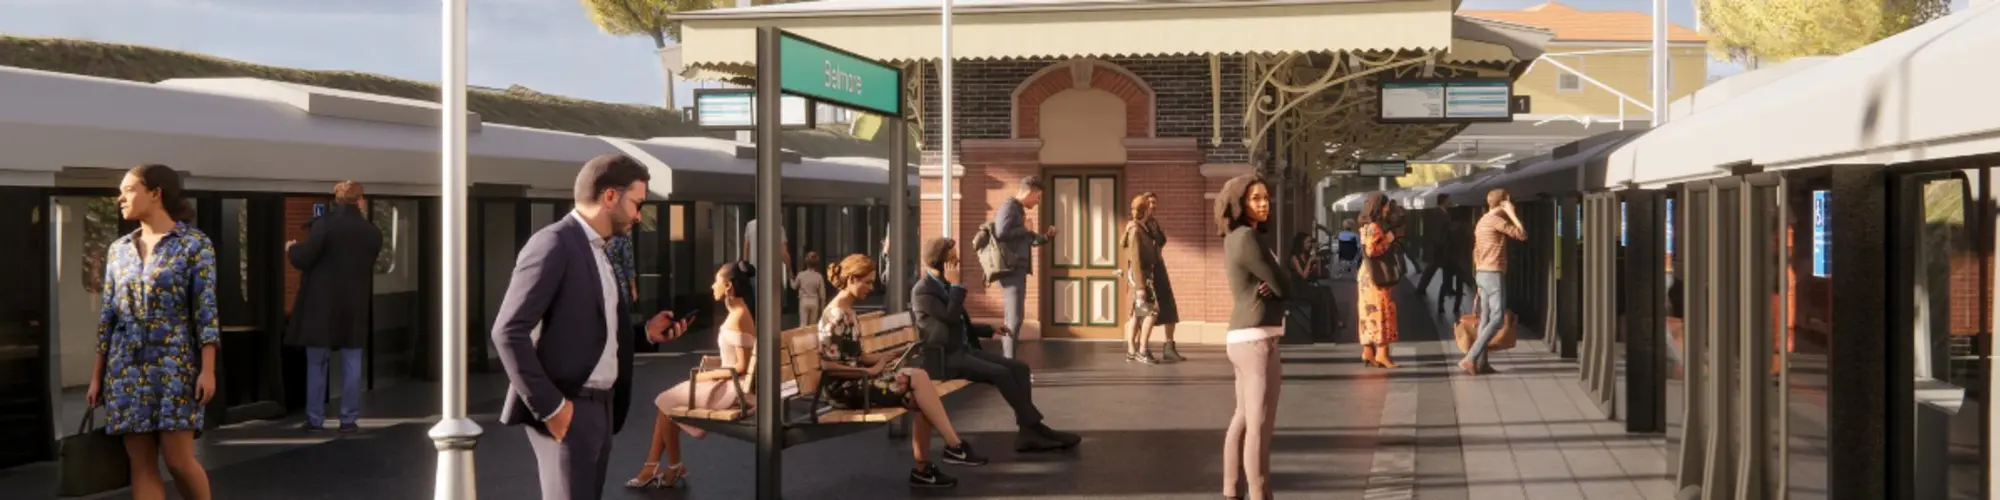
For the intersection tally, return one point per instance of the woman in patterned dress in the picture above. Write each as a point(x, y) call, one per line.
point(157, 335)
point(860, 380)
point(1376, 307)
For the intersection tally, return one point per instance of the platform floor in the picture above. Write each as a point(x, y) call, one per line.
point(1344, 432)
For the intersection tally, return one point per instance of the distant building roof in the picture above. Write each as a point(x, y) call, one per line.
point(1572, 25)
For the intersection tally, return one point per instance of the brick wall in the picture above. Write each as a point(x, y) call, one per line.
point(984, 91)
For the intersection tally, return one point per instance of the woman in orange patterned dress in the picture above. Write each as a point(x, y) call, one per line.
point(1377, 309)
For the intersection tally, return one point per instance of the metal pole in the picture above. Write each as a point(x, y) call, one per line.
point(454, 435)
point(1661, 64)
point(899, 230)
point(769, 439)
point(944, 104)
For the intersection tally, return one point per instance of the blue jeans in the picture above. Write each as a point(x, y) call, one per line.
point(1013, 301)
point(350, 382)
point(1492, 314)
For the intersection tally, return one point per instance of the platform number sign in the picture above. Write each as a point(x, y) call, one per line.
point(1822, 235)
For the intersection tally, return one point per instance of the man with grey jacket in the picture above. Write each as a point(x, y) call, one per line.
point(1010, 229)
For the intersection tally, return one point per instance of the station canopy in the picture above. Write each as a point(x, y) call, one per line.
point(720, 43)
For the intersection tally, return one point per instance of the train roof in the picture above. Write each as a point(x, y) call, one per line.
point(251, 134)
point(1922, 94)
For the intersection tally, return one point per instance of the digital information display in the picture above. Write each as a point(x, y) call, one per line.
point(737, 109)
point(1446, 101)
point(1822, 235)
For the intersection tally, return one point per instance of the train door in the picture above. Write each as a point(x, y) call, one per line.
point(396, 341)
point(1083, 288)
point(1943, 218)
point(1765, 271)
point(246, 233)
point(26, 422)
point(85, 222)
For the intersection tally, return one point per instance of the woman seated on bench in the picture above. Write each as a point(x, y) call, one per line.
point(860, 380)
point(710, 389)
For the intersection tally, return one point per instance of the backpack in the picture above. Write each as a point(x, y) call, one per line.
point(993, 258)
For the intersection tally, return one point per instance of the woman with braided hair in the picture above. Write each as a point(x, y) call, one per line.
point(858, 380)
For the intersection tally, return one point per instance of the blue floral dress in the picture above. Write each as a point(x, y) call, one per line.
point(839, 343)
point(156, 318)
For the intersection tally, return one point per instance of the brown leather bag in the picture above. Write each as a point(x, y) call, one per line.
point(1467, 330)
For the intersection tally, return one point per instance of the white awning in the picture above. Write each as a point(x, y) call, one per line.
point(723, 40)
point(1926, 93)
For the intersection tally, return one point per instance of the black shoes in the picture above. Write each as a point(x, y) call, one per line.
point(1041, 438)
point(929, 476)
point(309, 427)
point(1172, 354)
point(963, 455)
point(349, 428)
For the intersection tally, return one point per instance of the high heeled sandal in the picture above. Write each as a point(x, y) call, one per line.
point(670, 477)
point(641, 483)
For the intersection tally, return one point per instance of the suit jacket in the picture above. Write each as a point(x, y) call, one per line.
point(1010, 229)
point(938, 311)
point(336, 266)
point(557, 285)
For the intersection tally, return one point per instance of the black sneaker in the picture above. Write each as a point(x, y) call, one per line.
point(929, 476)
point(309, 427)
point(963, 455)
point(1030, 440)
point(349, 428)
point(1068, 439)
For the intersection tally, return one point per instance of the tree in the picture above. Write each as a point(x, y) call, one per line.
point(1754, 31)
point(649, 18)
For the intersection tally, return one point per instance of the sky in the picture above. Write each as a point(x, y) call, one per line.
point(546, 45)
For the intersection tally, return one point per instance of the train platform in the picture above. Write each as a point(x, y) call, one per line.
point(1344, 432)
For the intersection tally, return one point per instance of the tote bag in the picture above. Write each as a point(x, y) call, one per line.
point(91, 461)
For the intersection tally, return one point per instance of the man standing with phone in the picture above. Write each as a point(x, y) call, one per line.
point(1489, 259)
point(1010, 228)
point(559, 333)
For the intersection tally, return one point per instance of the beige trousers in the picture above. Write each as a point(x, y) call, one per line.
point(1246, 449)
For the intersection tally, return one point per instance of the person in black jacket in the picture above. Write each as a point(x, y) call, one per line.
point(336, 265)
point(950, 351)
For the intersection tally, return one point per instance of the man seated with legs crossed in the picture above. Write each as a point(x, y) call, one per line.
point(938, 308)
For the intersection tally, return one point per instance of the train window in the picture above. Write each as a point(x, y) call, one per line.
point(388, 220)
point(1946, 304)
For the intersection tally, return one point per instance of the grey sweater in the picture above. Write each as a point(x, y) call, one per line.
point(1249, 263)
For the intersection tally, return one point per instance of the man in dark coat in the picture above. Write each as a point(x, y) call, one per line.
point(336, 266)
point(950, 349)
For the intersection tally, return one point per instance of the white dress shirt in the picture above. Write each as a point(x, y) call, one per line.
point(605, 375)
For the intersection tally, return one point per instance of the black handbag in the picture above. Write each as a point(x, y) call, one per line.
point(91, 461)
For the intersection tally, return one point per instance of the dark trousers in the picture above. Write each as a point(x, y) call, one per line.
point(1007, 375)
point(574, 468)
point(1453, 285)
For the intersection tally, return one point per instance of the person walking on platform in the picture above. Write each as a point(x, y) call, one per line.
point(336, 266)
point(811, 286)
point(861, 380)
point(559, 333)
point(1258, 288)
point(937, 306)
point(736, 340)
point(157, 335)
point(1489, 260)
point(624, 262)
point(1443, 260)
point(1374, 297)
point(1145, 270)
point(1010, 229)
point(1348, 243)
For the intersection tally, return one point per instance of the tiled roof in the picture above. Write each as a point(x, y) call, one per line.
point(1572, 25)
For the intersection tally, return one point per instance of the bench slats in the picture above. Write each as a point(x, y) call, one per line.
point(799, 355)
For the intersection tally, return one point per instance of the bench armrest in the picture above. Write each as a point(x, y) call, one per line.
point(734, 379)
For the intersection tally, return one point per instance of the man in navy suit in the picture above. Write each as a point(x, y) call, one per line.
point(559, 332)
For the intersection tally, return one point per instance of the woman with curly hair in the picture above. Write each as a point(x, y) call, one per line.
point(1379, 218)
point(1258, 289)
point(860, 380)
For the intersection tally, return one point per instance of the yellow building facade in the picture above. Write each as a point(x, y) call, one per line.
point(1599, 64)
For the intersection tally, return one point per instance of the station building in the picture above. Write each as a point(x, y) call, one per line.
point(1107, 100)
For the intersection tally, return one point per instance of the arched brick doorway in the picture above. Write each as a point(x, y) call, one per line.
point(1080, 114)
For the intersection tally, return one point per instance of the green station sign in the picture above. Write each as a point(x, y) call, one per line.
point(821, 72)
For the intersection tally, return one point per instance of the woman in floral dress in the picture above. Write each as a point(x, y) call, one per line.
point(1376, 307)
point(157, 335)
point(859, 380)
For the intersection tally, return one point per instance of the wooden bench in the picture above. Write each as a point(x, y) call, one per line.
point(801, 380)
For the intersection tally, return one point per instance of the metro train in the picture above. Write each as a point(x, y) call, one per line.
point(260, 159)
point(1691, 270)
